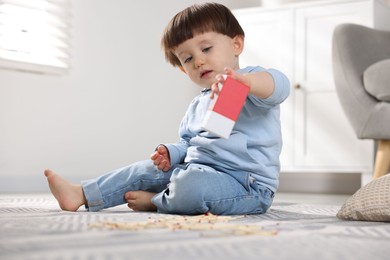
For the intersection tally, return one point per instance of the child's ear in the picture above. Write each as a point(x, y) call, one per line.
point(238, 43)
point(182, 69)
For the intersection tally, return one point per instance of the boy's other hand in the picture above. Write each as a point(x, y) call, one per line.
point(161, 158)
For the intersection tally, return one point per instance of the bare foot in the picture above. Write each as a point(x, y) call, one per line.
point(69, 196)
point(140, 200)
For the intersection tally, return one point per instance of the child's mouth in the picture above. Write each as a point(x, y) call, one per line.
point(205, 73)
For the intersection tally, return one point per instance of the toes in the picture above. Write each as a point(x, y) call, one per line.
point(48, 172)
point(130, 195)
point(132, 205)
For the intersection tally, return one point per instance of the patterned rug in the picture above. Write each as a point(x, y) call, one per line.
point(33, 227)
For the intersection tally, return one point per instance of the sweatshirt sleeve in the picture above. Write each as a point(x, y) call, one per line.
point(282, 87)
point(177, 151)
point(281, 90)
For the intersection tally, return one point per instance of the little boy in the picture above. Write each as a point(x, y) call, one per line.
point(202, 172)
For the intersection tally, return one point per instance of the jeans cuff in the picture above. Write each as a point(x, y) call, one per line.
point(92, 195)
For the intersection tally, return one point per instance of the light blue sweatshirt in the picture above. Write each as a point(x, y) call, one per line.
point(255, 143)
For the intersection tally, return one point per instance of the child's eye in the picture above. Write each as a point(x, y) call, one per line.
point(188, 59)
point(207, 49)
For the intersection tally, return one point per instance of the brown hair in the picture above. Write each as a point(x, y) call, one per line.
point(197, 19)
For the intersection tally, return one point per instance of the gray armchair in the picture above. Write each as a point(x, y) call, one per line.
point(361, 67)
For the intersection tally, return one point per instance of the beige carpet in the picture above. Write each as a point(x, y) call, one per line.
point(33, 227)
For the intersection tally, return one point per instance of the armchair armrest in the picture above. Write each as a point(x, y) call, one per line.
point(377, 80)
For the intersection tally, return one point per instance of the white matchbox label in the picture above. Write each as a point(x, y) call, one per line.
point(218, 124)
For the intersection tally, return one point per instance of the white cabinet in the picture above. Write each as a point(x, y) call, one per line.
point(297, 39)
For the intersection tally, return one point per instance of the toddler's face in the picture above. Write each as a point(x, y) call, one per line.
point(206, 55)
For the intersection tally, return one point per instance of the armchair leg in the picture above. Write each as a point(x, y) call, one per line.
point(382, 160)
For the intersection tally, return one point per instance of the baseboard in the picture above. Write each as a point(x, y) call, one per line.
point(23, 184)
point(328, 183)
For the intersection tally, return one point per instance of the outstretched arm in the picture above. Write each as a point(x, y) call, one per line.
point(261, 83)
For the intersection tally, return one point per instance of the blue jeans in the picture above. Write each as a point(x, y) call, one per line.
point(185, 189)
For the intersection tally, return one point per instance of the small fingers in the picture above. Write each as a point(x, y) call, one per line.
point(220, 78)
point(160, 149)
point(160, 158)
point(154, 155)
point(156, 159)
point(214, 90)
point(167, 166)
point(162, 165)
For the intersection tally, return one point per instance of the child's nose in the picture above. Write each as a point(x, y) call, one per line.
point(199, 61)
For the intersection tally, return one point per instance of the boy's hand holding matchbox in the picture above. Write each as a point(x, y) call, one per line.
point(225, 108)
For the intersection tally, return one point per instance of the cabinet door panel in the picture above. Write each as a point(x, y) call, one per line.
point(328, 141)
point(323, 138)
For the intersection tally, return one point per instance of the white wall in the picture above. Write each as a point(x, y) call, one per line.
point(119, 100)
